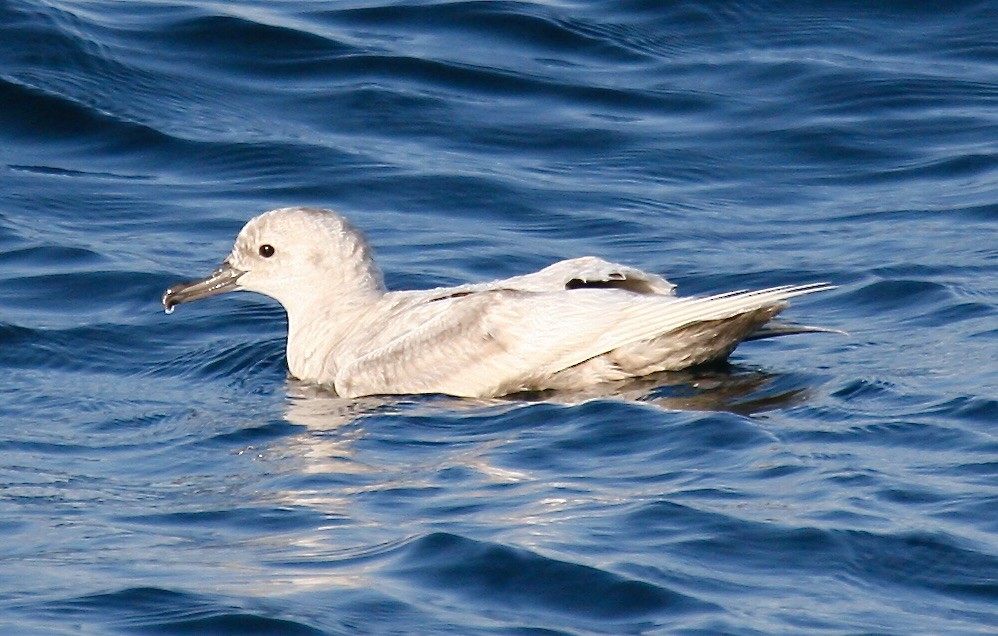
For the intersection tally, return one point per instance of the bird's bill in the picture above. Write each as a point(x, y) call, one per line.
point(219, 281)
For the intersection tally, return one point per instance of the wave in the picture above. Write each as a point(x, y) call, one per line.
point(163, 610)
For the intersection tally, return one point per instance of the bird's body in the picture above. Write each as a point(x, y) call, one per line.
point(572, 325)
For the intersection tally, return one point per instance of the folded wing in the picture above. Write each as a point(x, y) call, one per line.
point(499, 341)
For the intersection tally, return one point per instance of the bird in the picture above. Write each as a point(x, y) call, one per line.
point(573, 325)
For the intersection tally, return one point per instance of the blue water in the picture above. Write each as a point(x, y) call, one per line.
point(161, 474)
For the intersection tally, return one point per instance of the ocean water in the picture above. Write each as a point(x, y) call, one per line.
point(163, 475)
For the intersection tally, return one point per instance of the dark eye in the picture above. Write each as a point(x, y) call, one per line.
point(266, 250)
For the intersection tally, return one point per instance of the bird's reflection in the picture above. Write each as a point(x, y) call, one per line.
point(351, 459)
point(334, 427)
point(723, 388)
point(719, 387)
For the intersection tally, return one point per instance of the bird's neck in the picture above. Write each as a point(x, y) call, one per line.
point(319, 326)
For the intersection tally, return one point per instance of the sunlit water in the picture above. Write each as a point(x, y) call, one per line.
point(161, 474)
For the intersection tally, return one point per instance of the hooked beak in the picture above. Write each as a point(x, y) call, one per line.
point(219, 281)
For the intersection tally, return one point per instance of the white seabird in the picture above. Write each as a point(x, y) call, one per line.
point(569, 326)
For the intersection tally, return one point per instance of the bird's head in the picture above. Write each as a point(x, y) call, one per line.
point(294, 255)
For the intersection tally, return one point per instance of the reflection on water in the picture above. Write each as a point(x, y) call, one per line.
point(721, 388)
point(335, 424)
point(366, 464)
point(318, 408)
point(335, 427)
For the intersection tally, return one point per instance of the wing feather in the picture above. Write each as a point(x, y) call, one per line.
point(638, 322)
point(500, 341)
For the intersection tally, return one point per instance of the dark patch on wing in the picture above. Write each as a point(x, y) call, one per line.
point(618, 282)
point(459, 294)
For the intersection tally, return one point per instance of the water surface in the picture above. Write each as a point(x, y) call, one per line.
point(161, 474)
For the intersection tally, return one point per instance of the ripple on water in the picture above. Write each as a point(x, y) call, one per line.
point(162, 610)
point(501, 576)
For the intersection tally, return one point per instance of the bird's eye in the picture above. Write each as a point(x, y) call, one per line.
point(266, 250)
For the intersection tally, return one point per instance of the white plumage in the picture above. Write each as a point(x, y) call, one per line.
point(572, 325)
